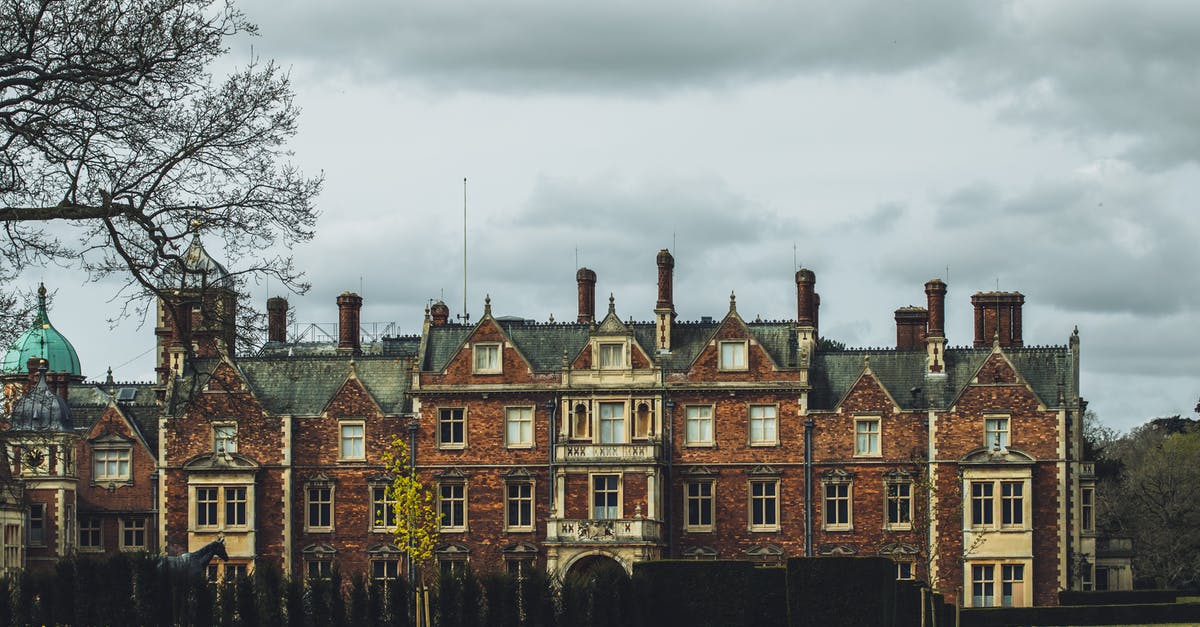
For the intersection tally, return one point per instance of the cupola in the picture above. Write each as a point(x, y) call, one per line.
point(42, 342)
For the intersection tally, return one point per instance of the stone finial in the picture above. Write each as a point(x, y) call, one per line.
point(487, 305)
point(732, 302)
point(612, 304)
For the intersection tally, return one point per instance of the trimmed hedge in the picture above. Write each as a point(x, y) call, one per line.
point(768, 597)
point(1146, 614)
point(851, 591)
point(1117, 597)
point(699, 594)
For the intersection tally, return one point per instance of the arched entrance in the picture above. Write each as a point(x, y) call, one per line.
point(596, 566)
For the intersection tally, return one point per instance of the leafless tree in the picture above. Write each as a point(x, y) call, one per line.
point(117, 143)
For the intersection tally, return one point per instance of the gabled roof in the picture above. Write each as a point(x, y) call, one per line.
point(303, 386)
point(88, 403)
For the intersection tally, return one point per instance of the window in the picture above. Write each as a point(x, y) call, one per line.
point(764, 505)
point(866, 437)
point(234, 571)
point(518, 431)
point(1012, 585)
point(110, 465)
point(133, 533)
point(1012, 504)
point(1087, 504)
point(452, 428)
point(996, 432)
point(206, 507)
point(699, 505)
point(452, 505)
point(733, 356)
point(1085, 577)
point(904, 570)
point(1101, 578)
point(319, 568)
point(982, 504)
point(518, 567)
point(235, 507)
point(319, 515)
point(983, 585)
point(225, 438)
point(452, 566)
point(606, 497)
point(899, 505)
point(89, 534)
point(383, 509)
point(487, 358)
point(837, 506)
point(1008, 509)
point(12, 546)
point(519, 506)
point(699, 425)
point(612, 355)
point(352, 442)
point(612, 423)
point(763, 425)
point(385, 569)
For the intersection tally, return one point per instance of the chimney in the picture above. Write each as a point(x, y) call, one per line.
point(805, 281)
point(664, 310)
point(587, 295)
point(277, 307)
point(998, 314)
point(935, 331)
point(440, 314)
point(910, 328)
point(349, 307)
point(816, 316)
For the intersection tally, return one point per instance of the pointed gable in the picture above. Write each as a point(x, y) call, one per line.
point(733, 353)
point(114, 426)
point(352, 399)
point(996, 373)
point(487, 355)
point(867, 394)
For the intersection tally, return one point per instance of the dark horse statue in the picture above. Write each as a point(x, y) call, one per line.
point(194, 562)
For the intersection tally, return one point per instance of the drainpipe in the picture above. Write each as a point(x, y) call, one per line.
point(669, 443)
point(412, 469)
point(551, 408)
point(808, 506)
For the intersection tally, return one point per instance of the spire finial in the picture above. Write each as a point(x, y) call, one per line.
point(487, 305)
point(732, 302)
point(612, 304)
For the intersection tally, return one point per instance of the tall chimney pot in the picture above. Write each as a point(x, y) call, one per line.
point(349, 310)
point(586, 279)
point(277, 307)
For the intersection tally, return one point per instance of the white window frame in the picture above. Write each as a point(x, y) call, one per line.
point(224, 432)
point(997, 424)
point(992, 507)
point(868, 436)
point(40, 518)
point(443, 412)
point(1087, 509)
point(459, 526)
point(123, 455)
point(521, 501)
point(128, 527)
point(904, 512)
point(386, 502)
point(905, 570)
point(826, 500)
point(318, 568)
point(999, 574)
point(771, 499)
point(222, 503)
point(704, 502)
point(309, 502)
point(481, 363)
point(521, 417)
point(700, 416)
point(615, 422)
point(611, 355)
point(390, 567)
point(618, 508)
point(763, 439)
point(344, 440)
point(734, 360)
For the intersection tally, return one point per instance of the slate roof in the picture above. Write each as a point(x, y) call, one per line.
point(833, 373)
point(303, 386)
point(88, 402)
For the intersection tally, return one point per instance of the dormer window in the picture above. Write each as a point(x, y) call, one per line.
point(487, 358)
point(733, 355)
point(612, 355)
point(996, 432)
point(225, 438)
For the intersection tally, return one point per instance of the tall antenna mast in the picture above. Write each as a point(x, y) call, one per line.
point(465, 314)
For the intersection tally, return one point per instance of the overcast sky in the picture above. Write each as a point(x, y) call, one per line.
point(1045, 147)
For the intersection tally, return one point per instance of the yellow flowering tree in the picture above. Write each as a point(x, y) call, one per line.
point(415, 511)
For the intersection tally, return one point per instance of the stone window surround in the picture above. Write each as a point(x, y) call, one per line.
point(744, 354)
point(750, 419)
point(322, 483)
point(520, 481)
point(445, 415)
point(509, 410)
point(711, 442)
point(837, 477)
point(750, 501)
point(480, 351)
point(464, 499)
point(710, 499)
point(867, 421)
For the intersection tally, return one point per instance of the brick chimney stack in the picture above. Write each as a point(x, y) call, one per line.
point(349, 310)
point(935, 329)
point(910, 328)
point(277, 308)
point(664, 310)
point(805, 298)
point(998, 314)
point(587, 295)
point(440, 314)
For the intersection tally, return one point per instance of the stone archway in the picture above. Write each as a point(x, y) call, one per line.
point(595, 565)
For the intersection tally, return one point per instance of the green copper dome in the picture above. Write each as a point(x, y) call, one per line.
point(43, 341)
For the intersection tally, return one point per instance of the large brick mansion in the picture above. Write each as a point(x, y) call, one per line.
point(566, 445)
